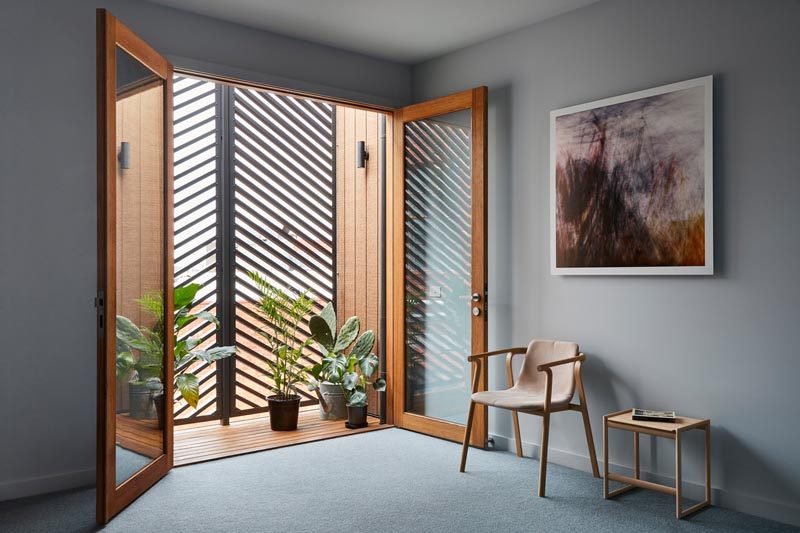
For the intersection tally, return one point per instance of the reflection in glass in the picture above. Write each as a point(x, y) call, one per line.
point(140, 266)
point(438, 197)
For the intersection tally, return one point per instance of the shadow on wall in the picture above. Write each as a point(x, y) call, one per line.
point(720, 132)
point(499, 249)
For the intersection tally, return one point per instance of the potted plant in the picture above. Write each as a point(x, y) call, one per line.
point(282, 315)
point(140, 352)
point(352, 372)
point(332, 404)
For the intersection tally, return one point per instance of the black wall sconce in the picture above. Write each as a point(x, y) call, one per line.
point(361, 154)
point(124, 155)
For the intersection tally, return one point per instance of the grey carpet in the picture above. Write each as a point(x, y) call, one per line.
point(128, 463)
point(389, 480)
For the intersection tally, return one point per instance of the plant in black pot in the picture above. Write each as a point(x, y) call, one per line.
point(282, 314)
point(140, 352)
point(353, 372)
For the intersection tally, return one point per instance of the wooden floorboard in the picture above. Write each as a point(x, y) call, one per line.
point(195, 443)
point(140, 436)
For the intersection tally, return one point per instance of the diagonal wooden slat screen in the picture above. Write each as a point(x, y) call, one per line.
point(197, 222)
point(256, 177)
point(284, 214)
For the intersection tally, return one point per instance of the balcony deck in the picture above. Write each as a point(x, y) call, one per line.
point(205, 441)
point(195, 443)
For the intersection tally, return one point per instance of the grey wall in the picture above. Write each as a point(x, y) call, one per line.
point(723, 347)
point(47, 202)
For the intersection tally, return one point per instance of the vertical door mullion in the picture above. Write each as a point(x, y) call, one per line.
point(226, 367)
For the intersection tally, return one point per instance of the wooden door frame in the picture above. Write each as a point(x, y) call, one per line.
point(395, 308)
point(111, 33)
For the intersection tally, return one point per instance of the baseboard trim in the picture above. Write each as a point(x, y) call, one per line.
point(780, 511)
point(21, 488)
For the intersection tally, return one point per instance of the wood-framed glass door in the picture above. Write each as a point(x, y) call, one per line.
point(436, 263)
point(134, 266)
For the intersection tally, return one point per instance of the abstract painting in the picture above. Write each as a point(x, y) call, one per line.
point(631, 183)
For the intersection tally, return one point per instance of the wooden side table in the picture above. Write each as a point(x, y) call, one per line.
point(669, 430)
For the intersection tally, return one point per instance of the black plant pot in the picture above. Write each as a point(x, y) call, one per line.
point(283, 412)
point(356, 416)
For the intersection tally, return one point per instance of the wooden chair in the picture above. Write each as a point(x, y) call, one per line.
point(550, 373)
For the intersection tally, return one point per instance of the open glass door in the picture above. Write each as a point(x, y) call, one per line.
point(436, 294)
point(134, 274)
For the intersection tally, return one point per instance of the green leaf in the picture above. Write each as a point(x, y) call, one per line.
point(184, 296)
point(189, 387)
point(334, 367)
point(183, 319)
point(364, 344)
point(357, 399)
point(181, 361)
point(125, 364)
point(127, 331)
point(215, 354)
point(191, 344)
point(379, 385)
point(142, 345)
point(349, 380)
point(321, 332)
point(313, 384)
point(153, 303)
point(315, 371)
point(347, 334)
point(329, 315)
point(369, 365)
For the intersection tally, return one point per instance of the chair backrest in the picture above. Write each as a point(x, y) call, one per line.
point(545, 351)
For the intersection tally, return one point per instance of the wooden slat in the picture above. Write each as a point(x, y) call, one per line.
point(283, 221)
point(358, 224)
point(195, 443)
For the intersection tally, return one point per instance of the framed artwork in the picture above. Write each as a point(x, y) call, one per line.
point(631, 183)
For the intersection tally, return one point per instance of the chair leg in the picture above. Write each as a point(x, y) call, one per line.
point(587, 427)
point(517, 438)
point(467, 431)
point(543, 453)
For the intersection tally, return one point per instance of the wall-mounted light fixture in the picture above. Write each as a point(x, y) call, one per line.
point(124, 155)
point(361, 154)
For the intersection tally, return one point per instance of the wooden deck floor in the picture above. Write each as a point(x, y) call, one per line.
point(195, 443)
point(140, 436)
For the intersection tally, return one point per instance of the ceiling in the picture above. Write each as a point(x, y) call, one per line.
point(405, 31)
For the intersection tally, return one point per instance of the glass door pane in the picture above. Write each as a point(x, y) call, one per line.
point(140, 259)
point(438, 257)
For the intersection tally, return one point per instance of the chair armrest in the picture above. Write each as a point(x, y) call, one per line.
point(483, 355)
point(546, 366)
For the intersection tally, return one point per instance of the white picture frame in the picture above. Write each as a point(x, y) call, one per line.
point(707, 268)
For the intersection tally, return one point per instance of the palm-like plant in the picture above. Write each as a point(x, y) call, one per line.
point(140, 349)
point(282, 315)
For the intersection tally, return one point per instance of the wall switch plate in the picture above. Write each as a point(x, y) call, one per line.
point(434, 291)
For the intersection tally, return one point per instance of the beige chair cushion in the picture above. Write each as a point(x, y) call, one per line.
point(529, 390)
